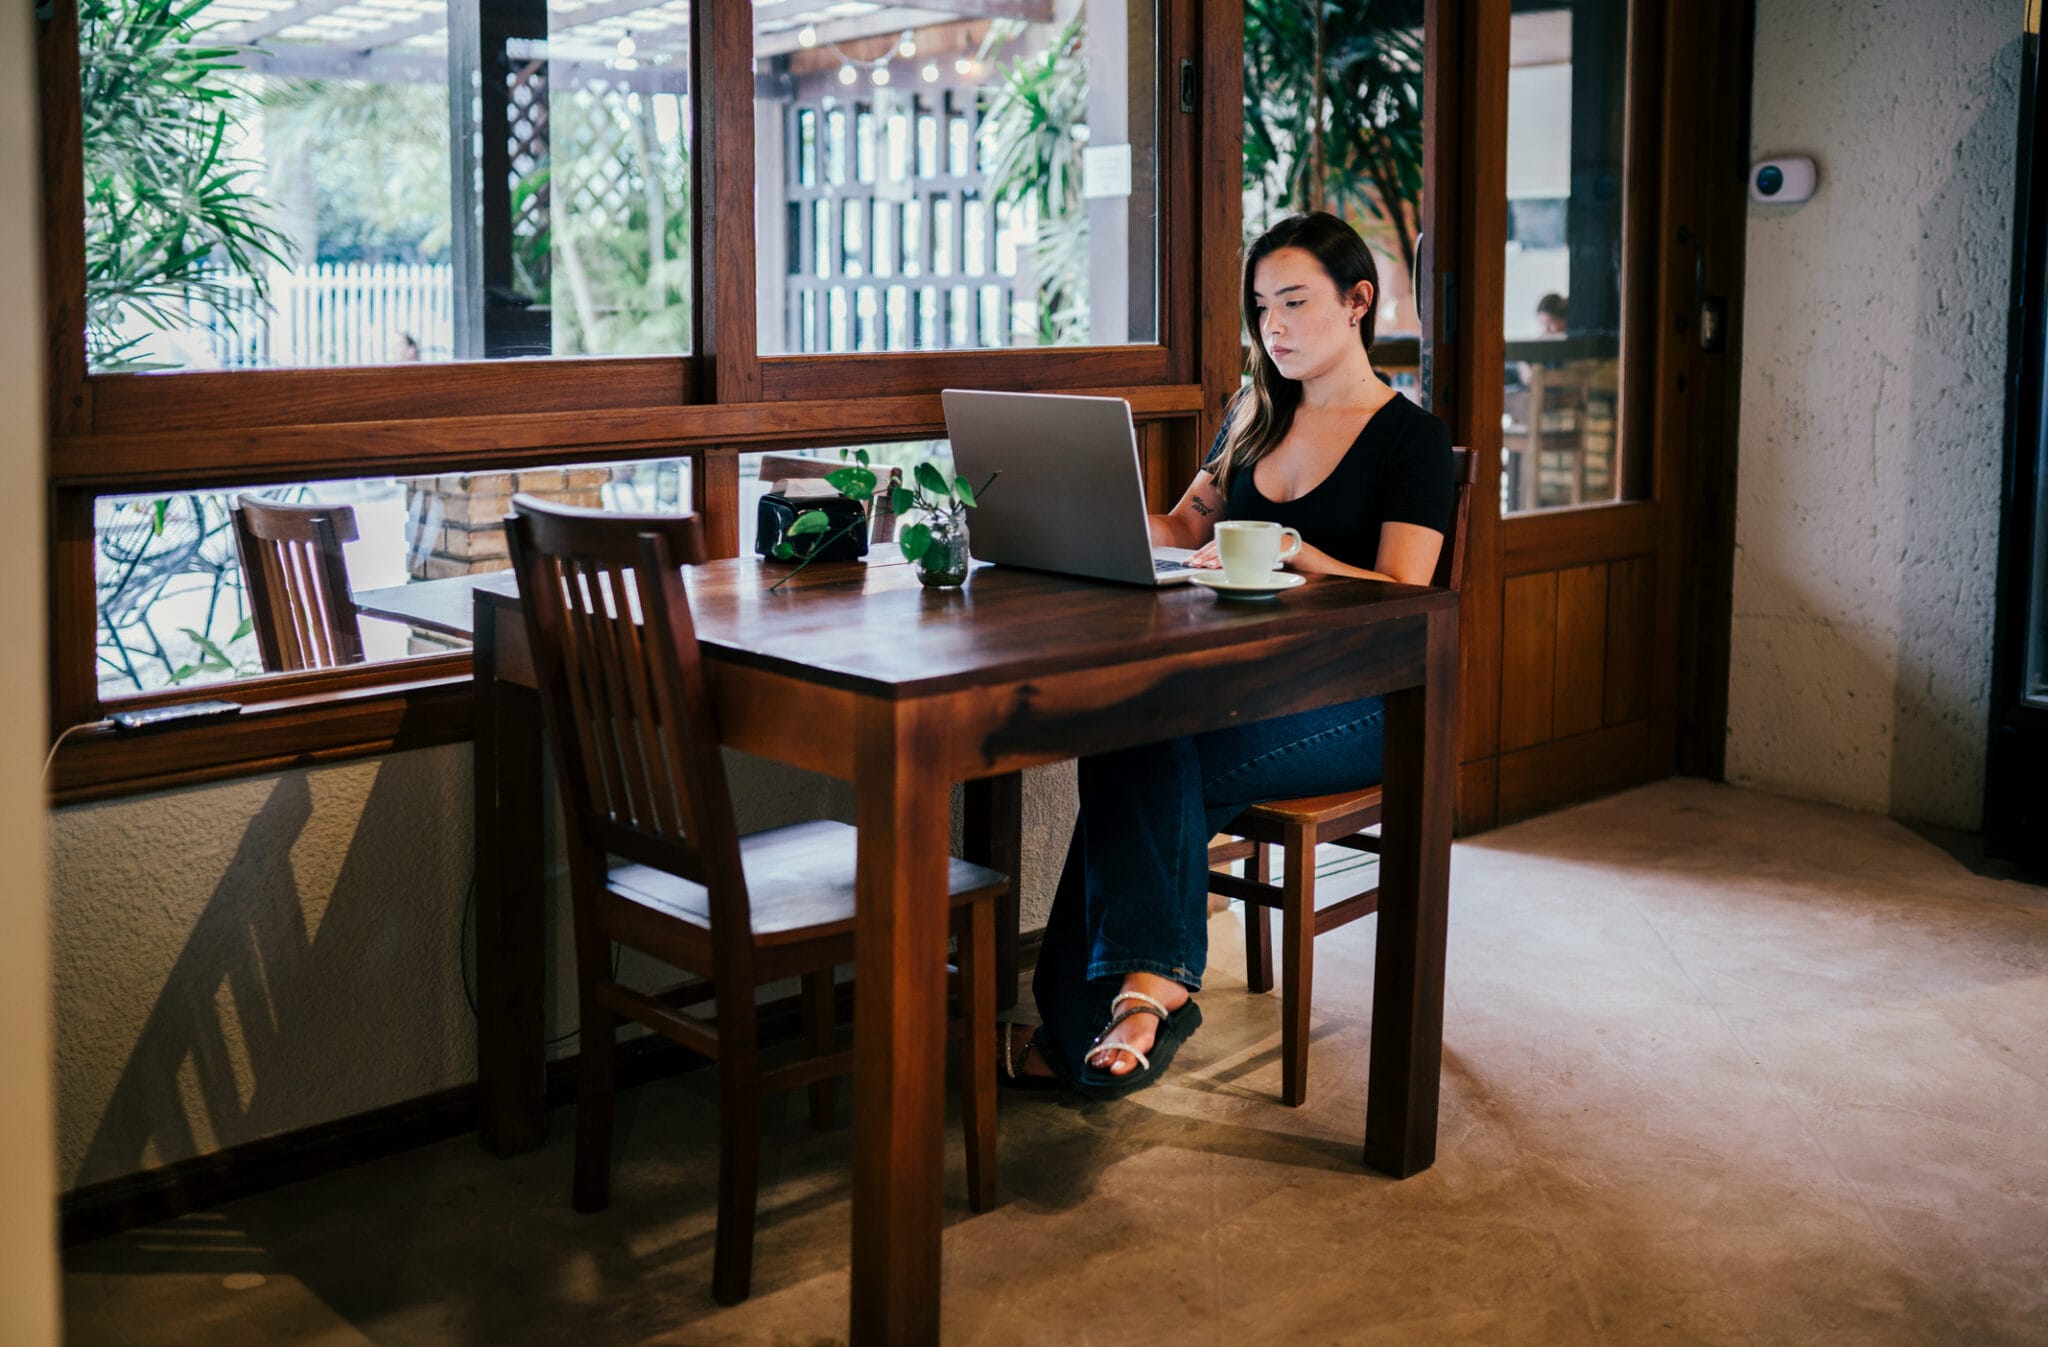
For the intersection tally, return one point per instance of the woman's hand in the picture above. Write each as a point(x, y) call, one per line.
point(1206, 556)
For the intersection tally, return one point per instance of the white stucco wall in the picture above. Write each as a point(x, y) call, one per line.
point(242, 960)
point(1873, 360)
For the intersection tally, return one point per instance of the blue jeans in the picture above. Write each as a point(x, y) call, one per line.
point(1133, 896)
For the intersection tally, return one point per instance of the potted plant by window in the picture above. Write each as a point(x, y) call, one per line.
point(936, 544)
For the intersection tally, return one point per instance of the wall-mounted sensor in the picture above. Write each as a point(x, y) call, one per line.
point(1783, 181)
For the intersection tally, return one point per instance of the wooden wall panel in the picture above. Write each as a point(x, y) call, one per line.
point(1475, 806)
point(1578, 768)
point(1528, 659)
point(1631, 621)
point(1581, 650)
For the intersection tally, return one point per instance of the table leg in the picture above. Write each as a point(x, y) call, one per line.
point(899, 1032)
point(994, 829)
point(1415, 867)
point(511, 1071)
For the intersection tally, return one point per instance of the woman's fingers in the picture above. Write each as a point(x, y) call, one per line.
point(1205, 555)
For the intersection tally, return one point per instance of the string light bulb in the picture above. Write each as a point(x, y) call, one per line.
point(964, 66)
point(807, 36)
point(880, 74)
point(930, 72)
point(846, 75)
point(907, 47)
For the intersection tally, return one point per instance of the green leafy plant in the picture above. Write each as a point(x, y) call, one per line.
point(168, 221)
point(930, 495)
point(613, 258)
point(1034, 155)
point(370, 162)
point(1333, 112)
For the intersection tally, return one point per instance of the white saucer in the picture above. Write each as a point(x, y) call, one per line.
point(1258, 589)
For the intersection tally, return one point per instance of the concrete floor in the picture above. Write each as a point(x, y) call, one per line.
point(1719, 1067)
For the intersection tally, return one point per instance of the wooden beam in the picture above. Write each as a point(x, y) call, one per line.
point(255, 30)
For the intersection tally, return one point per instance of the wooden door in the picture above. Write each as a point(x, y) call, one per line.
point(1595, 613)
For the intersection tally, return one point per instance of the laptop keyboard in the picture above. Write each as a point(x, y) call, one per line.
point(1162, 567)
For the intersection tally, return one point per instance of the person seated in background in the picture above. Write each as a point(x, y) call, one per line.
point(1550, 321)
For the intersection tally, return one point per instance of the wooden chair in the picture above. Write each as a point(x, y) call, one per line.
point(881, 513)
point(298, 586)
point(1298, 827)
point(657, 863)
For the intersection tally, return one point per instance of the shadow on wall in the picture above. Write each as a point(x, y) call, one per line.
point(285, 1007)
point(1948, 552)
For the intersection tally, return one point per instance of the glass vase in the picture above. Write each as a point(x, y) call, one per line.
point(944, 563)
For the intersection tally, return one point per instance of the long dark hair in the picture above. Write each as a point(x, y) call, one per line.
point(1265, 411)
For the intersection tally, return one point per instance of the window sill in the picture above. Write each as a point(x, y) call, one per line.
point(315, 725)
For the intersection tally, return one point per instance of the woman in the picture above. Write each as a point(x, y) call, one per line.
point(1319, 443)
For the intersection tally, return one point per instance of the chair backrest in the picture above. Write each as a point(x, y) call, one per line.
point(1450, 563)
point(881, 513)
point(623, 690)
point(299, 599)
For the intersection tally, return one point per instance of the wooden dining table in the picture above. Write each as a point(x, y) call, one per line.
point(858, 671)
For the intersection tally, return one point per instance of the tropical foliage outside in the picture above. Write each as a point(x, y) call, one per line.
point(171, 216)
point(1333, 115)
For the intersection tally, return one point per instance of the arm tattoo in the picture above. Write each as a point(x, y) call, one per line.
point(1200, 507)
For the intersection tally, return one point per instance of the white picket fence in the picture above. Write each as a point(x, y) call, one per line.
point(337, 314)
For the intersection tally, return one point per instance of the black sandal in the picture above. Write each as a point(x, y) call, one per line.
point(1174, 1028)
point(1010, 1065)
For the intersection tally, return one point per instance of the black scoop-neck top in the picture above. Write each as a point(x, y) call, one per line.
point(1399, 468)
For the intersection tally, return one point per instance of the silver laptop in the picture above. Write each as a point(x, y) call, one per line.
point(1070, 498)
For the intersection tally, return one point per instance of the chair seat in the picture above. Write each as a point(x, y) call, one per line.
point(799, 883)
point(1312, 809)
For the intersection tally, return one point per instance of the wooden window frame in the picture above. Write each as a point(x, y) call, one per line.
point(123, 432)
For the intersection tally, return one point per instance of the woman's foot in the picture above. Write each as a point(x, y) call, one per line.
point(1020, 1053)
point(1020, 1065)
point(1137, 1033)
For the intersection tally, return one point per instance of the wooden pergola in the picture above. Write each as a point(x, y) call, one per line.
point(515, 52)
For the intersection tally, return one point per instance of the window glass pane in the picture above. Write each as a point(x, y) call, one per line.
point(174, 603)
point(1561, 408)
point(1025, 152)
point(1367, 156)
point(354, 213)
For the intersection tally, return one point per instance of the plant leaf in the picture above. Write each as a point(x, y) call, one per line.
point(783, 552)
point(963, 491)
point(901, 499)
point(915, 541)
point(931, 479)
point(810, 521)
point(853, 483)
point(860, 455)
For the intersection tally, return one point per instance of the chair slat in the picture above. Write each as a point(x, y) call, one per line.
point(655, 764)
point(621, 652)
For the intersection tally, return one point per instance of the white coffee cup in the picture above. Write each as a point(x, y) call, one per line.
point(1250, 549)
